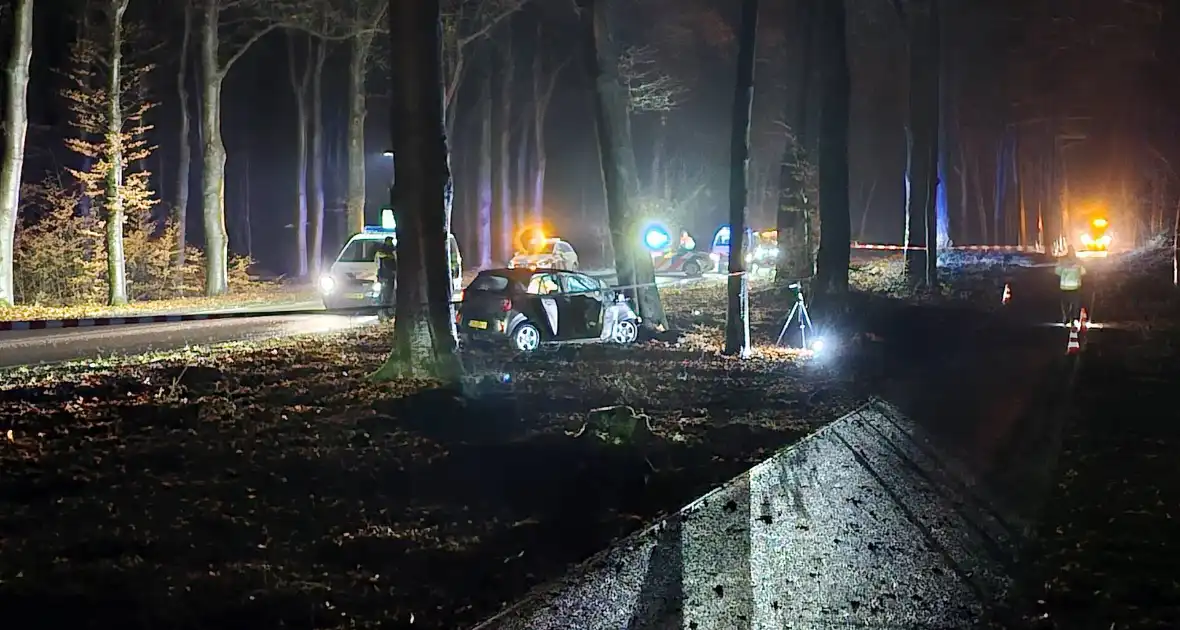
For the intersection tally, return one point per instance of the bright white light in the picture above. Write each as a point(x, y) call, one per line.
point(387, 220)
point(377, 286)
point(388, 154)
point(327, 284)
point(818, 345)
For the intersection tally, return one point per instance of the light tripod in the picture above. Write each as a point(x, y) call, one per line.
point(798, 313)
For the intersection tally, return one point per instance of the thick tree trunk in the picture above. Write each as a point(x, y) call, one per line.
point(922, 213)
point(485, 206)
point(737, 322)
point(359, 47)
point(424, 334)
point(1022, 209)
point(792, 217)
point(184, 146)
point(299, 84)
point(113, 212)
point(836, 234)
point(936, 189)
point(213, 155)
point(316, 207)
point(16, 121)
point(617, 159)
point(504, 235)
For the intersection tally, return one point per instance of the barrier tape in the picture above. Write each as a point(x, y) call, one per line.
point(368, 310)
point(1031, 249)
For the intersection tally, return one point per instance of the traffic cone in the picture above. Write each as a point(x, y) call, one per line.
point(1074, 346)
point(1007, 295)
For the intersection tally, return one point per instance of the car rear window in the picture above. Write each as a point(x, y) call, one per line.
point(490, 283)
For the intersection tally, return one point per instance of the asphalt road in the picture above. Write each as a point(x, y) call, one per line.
point(30, 347)
point(33, 347)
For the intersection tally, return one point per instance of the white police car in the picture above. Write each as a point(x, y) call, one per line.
point(351, 281)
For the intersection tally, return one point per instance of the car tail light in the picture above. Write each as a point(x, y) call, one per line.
point(505, 305)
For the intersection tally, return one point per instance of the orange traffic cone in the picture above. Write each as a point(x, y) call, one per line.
point(1074, 346)
point(1007, 294)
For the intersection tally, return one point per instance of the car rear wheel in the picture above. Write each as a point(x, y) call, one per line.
point(526, 338)
point(692, 269)
point(625, 332)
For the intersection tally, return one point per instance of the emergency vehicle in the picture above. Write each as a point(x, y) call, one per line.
point(545, 253)
point(351, 281)
point(680, 258)
point(761, 248)
point(1095, 239)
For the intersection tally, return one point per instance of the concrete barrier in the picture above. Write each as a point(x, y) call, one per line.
point(859, 525)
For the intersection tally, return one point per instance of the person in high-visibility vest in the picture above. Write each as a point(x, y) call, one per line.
point(1070, 272)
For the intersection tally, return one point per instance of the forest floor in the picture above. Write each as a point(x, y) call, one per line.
point(260, 295)
point(267, 484)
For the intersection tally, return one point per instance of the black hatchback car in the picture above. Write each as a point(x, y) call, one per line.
point(528, 307)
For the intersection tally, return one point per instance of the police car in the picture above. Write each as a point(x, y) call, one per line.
point(351, 281)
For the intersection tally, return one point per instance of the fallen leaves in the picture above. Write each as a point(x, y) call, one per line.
point(265, 294)
point(270, 480)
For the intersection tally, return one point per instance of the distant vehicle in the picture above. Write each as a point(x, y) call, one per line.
point(1095, 239)
point(719, 252)
point(679, 258)
point(546, 253)
point(763, 251)
point(351, 281)
point(529, 307)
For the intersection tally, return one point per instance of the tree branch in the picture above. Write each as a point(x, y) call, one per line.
point(250, 41)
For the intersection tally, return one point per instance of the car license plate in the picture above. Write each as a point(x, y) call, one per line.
point(356, 296)
point(475, 323)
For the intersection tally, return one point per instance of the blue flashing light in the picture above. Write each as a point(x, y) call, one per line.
point(656, 238)
point(377, 229)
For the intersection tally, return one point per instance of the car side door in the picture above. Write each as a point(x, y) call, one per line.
point(546, 287)
point(585, 304)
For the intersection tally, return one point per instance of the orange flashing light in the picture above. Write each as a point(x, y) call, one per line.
point(1099, 223)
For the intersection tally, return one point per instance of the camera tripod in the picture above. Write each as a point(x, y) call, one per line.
point(798, 313)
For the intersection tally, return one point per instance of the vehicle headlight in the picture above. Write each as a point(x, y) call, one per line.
point(327, 284)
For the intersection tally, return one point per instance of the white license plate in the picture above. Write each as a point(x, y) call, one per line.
point(355, 296)
point(475, 323)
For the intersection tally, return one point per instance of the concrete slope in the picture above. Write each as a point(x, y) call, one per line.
point(860, 525)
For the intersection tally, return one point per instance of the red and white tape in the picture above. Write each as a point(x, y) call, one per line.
point(1032, 249)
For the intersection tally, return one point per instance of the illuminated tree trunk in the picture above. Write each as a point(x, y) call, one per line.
point(299, 84)
point(737, 323)
point(483, 222)
point(316, 207)
point(542, 95)
point(617, 159)
point(185, 161)
point(16, 121)
point(359, 47)
point(424, 333)
point(502, 185)
point(831, 274)
point(113, 199)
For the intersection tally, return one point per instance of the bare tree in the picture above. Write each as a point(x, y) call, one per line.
point(424, 333)
point(650, 89)
point(544, 83)
point(485, 204)
point(300, 82)
point(611, 107)
point(465, 22)
point(737, 323)
point(316, 207)
point(217, 60)
point(502, 224)
point(16, 123)
point(184, 146)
